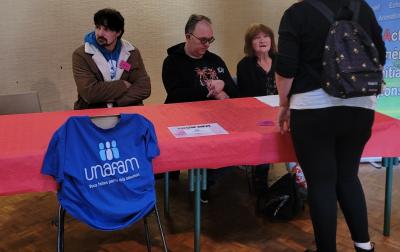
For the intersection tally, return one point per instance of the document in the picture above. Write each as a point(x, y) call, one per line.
point(271, 100)
point(197, 130)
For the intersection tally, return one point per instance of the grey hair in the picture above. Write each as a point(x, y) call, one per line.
point(193, 20)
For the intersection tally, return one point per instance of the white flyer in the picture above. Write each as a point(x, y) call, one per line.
point(271, 100)
point(208, 129)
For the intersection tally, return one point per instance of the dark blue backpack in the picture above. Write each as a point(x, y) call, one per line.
point(350, 62)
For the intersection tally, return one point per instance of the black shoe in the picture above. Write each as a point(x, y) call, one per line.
point(363, 250)
point(204, 196)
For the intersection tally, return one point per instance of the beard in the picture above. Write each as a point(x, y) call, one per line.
point(102, 41)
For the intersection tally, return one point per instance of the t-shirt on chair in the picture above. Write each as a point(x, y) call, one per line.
point(105, 175)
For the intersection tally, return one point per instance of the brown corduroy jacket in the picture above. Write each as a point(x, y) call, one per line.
point(94, 84)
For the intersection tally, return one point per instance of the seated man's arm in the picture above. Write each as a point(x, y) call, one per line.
point(177, 88)
point(90, 86)
point(221, 96)
point(140, 80)
point(230, 88)
point(215, 87)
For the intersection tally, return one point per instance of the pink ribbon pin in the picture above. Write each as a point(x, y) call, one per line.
point(124, 65)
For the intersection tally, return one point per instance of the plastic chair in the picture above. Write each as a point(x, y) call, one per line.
point(19, 103)
point(136, 186)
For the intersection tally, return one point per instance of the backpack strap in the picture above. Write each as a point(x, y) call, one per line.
point(321, 7)
point(331, 17)
point(355, 8)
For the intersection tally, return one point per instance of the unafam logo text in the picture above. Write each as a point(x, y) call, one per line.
point(111, 166)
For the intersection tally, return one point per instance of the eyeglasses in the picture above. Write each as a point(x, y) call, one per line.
point(204, 40)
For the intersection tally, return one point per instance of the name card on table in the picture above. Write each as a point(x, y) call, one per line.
point(197, 130)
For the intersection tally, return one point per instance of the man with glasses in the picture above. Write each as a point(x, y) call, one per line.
point(108, 70)
point(192, 73)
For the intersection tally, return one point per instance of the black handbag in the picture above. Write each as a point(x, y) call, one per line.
point(282, 200)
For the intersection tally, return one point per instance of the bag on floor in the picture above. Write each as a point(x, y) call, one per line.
point(281, 201)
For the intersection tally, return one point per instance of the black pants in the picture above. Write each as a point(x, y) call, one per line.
point(328, 144)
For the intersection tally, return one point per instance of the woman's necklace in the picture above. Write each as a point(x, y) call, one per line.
point(265, 64)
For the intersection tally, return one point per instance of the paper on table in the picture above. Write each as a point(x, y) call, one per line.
point(209, 129)
point(271, 100)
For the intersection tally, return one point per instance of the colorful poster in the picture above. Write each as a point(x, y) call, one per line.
point(387, 13)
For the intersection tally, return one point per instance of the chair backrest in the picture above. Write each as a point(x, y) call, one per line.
point(19, 103)
point(105, 122)
point(234, 78)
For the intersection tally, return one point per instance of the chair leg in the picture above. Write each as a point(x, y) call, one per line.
point(147, 235)
point(161, 229)
point(166, 194)
point(60, 229)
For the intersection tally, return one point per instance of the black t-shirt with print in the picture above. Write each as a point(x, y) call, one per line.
point(184, 78)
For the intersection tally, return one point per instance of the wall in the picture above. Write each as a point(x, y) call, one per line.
point(39, 36)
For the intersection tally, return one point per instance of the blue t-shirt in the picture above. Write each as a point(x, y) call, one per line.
point(105, 175)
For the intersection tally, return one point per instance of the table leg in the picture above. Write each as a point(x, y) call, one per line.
point(204, 179)
point(191, 180)
point(388, 163)
point(166, 194)
point(197, 211)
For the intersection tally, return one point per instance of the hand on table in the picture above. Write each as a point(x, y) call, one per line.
point(284, 119)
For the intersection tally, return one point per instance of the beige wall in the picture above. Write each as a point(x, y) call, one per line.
point(38, 37)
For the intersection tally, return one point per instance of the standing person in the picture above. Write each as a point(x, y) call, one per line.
point(108, 70)
point(192, 73)
point(328, 133)
point(256, 77)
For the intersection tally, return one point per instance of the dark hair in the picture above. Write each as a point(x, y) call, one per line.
point(193, 20)
point(110, 18)
point(251, 32)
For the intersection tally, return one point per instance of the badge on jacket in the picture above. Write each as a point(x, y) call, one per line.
point(124, 65)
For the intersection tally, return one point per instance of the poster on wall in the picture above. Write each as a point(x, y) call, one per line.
point(387, 13)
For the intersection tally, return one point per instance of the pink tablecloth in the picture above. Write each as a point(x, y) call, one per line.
point(24, 139)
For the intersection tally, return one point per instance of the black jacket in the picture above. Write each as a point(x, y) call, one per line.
point(252, 79)
point(302, 35)
point(184, 77)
